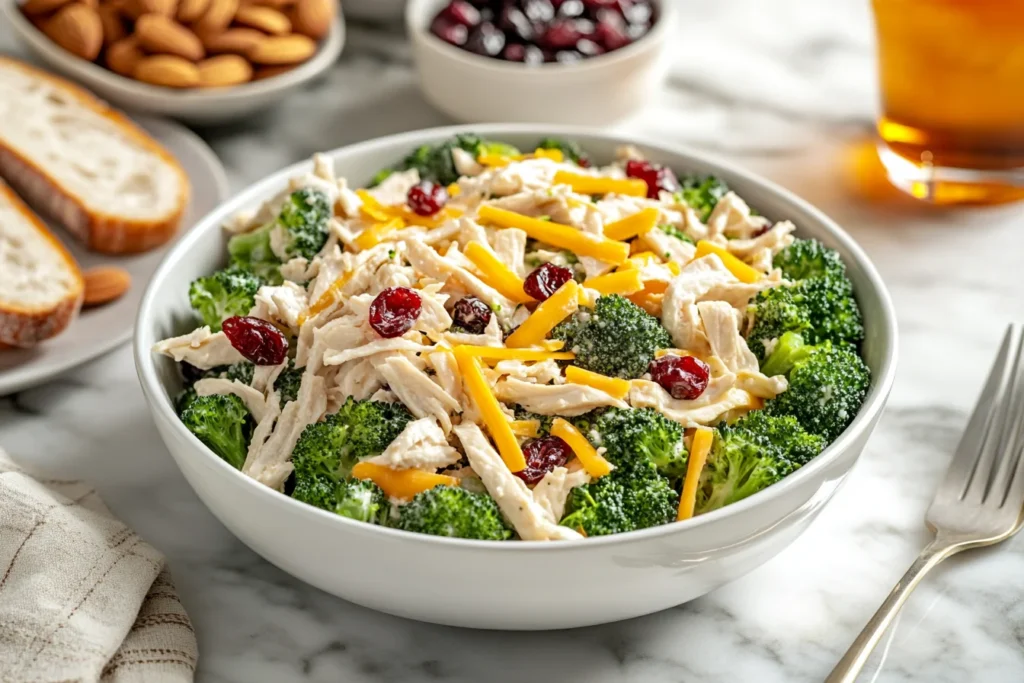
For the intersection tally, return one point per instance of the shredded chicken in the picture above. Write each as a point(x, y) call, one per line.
point(720, 397)
point(422, 445)
point(282, 304)
point(731, 218)
point(552, 491)
point(555, 399)
point(432, 264)
point(373, 348)
point(530, 520)
point(395, 187)
point(721, 325)
point(420, 394)
point(201, 348)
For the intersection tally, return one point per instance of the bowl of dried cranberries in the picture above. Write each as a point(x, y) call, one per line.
point(585, 62)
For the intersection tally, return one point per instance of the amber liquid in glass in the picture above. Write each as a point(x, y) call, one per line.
point(952, 82)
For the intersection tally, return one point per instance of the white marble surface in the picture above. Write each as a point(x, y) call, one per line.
point(779, 86)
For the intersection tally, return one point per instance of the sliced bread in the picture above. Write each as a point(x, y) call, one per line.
point(41, 288)
point(86, 166)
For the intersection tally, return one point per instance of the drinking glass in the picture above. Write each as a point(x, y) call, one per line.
point(952, 83)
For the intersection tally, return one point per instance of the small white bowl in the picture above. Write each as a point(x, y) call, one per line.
point(514, 584)
point(598, 91)
point(206, 106)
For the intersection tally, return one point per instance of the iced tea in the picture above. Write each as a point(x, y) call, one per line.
point(952, 82)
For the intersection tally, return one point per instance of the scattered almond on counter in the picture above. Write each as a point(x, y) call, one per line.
point(104, 284)
point(174, 43)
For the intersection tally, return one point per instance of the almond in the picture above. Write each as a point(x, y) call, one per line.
point(137, 8)
point(217, 16)
point(36, 7)
point(313, 18)
point(224, 70)
point(160, 35)
point(277, 50)
point(264, 18)
point(237, 41)
point(103, 284)
point(271, 71)
point(190, 10)
point(113, 25)
point(78, 29)
point(167, 70)
point(123, 55)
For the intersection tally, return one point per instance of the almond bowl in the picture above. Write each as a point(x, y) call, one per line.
point(200, 106)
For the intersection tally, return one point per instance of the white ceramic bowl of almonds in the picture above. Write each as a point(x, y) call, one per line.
point(219, 96)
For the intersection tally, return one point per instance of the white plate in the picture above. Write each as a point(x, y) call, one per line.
point(100, 329)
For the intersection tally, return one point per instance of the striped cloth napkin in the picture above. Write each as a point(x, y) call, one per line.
point(82, 597)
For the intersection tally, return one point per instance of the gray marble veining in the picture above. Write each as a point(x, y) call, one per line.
point(781, 87)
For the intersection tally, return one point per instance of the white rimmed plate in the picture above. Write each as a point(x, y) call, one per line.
point(98, 330)
point(203, 106)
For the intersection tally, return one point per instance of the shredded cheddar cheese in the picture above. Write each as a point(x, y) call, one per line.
point(613, 386)
point(699, 450)
point(555, 234)
point(595, 465)
point(741, 270)
point(529, 429)
point(631, 226)
point(546, 316)
point(375, 234)
point(623, 282)
point(588, 184)
point(496, 274)
point(479, 390)
point(496, 353)
point(401, 484)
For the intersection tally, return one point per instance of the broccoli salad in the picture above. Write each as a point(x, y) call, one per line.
point(493, 343)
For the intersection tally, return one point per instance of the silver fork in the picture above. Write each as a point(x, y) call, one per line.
point(978, 503)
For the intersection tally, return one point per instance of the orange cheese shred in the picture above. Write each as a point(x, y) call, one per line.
point(699, 450)
point(622, 282)
point(588, 184)
point(595, 465)
point(558, 235)
point(496, 274)
point(376, 233)
point(741, 270)
point(490, 410)
point(556, 308)
point(529, 429)
point(631, 226)
point(613, 386)
point(401, 484)
point(326, 299)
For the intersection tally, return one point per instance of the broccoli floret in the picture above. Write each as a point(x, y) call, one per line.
point(784, 434)
point(184, 400)
point(222, 423)
point(788, 350)
point(305, 216)
point(673, 231)
point(741, 463)
point(818, 308)
point(616, 338)
point(569, 149)
point(327, 451)
point(701, 193)
point(287, 383)
point(361, 500)
point(242, 371)
point(637, 438)
point(826, 389)
point(624, 500)
point(545, 421)
point(454, 512)
point(435, 162)
point(809, 258)
point(251, 251)
point(223, 294)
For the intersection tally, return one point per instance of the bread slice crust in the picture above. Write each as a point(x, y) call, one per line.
point(100, 231)
point(21, 325)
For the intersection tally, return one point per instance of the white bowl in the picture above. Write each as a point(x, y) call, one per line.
point(201, 106)
point(507, 585)
point(593, 92)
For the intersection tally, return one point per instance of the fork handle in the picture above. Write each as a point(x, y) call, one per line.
point(849, 667)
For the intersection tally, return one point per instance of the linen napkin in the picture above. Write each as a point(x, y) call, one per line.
point(82, 597)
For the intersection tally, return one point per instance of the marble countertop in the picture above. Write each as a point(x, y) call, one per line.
point(787, 91)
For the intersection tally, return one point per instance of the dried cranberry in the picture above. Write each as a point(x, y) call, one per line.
point(610, 35)
point(393, 311)
point(461, 12)
point(545, 280)
point(561, 35)
point(515, 22)
point(449, 31)
point(528, 54)
point(486, 40)
point(658, 178)
point(542, 456)
point(256, 339)
point(426, 198)
point(685, 377)
point(472, 315)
